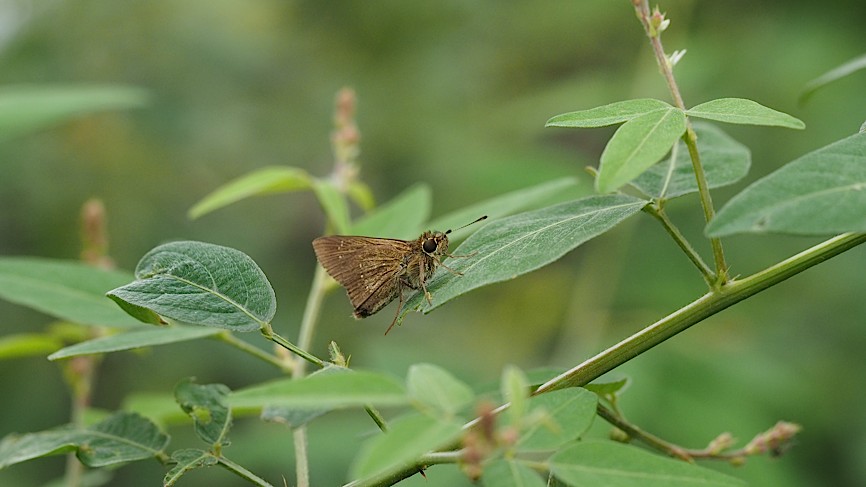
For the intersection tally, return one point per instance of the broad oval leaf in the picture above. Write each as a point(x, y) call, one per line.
point(596, 462)
point(28, 108)
point(122, 437)
point(610, 114)
point(67, 290)
point(510, 473)
point(435, 387)
point(406, 440)
point(637, 145)
point(348, 388)
point(515, 245)
point(267, 180)
point(146, 337)
point(201, 284)
point(821, 193)
point(743, 111)
point(725, 161)
point(402, 217)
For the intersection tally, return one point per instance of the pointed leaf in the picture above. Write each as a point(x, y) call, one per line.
point(29, 108)
point(725, 161)
point(510, 473)
point(406, 440)
point(123, 437)
point(834, 74)
point(515, 391)
point(557, 418)
point(67, 290)
point(147, 337)
point(267, 180)
point(611, 114)
point(637, 145)
point(402, 217)
point(595, 462)
point(515, 245)
point(201, 284)
point(437, 388)
point(186, 460)
point(346, 389)
point(743, 111)
point(821, 193)
point(543, 194)
point(206, 405)
point(607, 388)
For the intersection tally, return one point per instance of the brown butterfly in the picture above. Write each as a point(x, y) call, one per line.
point(375, 271)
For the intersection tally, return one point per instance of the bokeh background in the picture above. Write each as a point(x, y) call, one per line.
point(454, 94)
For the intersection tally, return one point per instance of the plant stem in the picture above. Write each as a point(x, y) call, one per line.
point(305, 339)
point(647, 438)
point(242, 472)
point(705, 306)
point(243, 346)
point(268, 332)
point(433, 458)
point(690, 138)
point(658, 212)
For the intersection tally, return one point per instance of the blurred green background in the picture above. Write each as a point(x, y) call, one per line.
point(454, 94)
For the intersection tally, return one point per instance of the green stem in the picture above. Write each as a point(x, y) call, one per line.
point(643, 12)
point(700, 309)
point(433, 458)
point(268, 332)
point(634, 432)
point(242, 472)
point(243, 346)
point(305, 340)
point(658, 212)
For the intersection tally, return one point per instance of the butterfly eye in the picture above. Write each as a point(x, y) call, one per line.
point(429, 246)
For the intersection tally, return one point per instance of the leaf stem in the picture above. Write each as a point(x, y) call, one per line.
point(656, 210)
point(651, 26)
point(242, 472)
point(268, 332)
point(433, 458)
point(230, 339)
point(705, 306)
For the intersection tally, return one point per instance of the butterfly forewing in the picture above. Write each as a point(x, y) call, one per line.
point(369, 268)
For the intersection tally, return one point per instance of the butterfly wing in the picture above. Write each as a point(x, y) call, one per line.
point(369, 268)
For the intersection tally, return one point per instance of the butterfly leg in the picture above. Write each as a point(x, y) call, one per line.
point(399, 306)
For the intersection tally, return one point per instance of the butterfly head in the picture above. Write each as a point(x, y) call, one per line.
point(434, 243)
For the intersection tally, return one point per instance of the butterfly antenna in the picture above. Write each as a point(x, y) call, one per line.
point(464, 226)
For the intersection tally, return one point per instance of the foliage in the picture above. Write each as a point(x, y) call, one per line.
point(540, 434)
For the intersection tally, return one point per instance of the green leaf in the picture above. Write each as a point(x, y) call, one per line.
point(67, 290)
point(324, 391)
point(437, 388)
point(267, 180)
point(334, 204)
point(557, 418)
point(186, 460)
point(206, 405)
point(520, 200)
point(821, 193)
point(743, 111)
point(515, 245)
point(607, 388)
point(201, 284)
point(29, 108)
point(637, 145)
point(28, 345)
point(725, 161)
point(510, 473)
point(612, 114)
point(402, 217)
point(834, 74)
point(147, 337)
point(406, 440)
point(617, 465)
point(123, 437)
point(515, 391)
